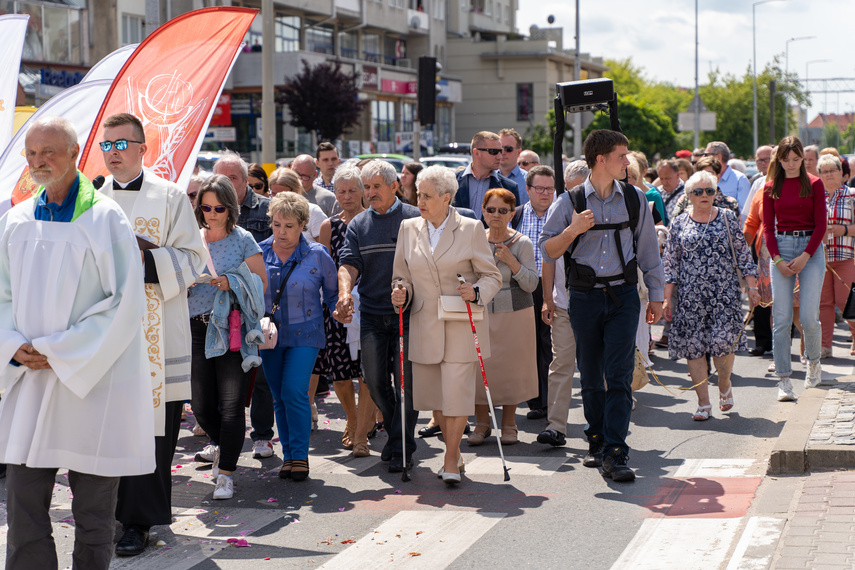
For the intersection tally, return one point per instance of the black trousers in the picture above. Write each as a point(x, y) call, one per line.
point(543, 351)
point(146, 500)
point(763, 327)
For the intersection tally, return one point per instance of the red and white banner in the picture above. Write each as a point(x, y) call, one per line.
point(172, 82)
point(13, 28)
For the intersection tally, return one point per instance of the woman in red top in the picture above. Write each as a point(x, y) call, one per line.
point(794, 223)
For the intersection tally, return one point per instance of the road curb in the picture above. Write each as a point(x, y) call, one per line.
point(791, 455)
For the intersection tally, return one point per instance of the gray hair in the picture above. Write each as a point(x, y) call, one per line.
point(64, 126)
point(379, 168)
point(289, 205)
point(441, 178)
point(829, 160)
point(737, 165)
point(698, 178)
point(718, 147)
point(811, 148)
point(231, 157)
point(577, 169)
point(346, 174)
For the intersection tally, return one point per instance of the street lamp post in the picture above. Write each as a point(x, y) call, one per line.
point(787, 91)
point(754, 62)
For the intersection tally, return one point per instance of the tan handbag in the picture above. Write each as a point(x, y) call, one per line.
point(453, 308)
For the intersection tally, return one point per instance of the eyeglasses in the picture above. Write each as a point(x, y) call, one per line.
point(543, 189)
point(121, 144)
point(207, 209)
point(527, 162)
point(258, 186)
point(700, 191)
point(502, 211)
point(306, 177)
point(192, 195)
point(491, 151)
point(824, 172)
point(507, 149)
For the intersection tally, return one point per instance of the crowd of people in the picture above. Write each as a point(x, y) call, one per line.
point(251, 288)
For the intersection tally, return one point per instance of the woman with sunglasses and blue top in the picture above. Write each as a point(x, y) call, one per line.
point(705, 248)
point(219, 384)
point(301, 275)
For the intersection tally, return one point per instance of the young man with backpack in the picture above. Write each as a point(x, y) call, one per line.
point(604, 234)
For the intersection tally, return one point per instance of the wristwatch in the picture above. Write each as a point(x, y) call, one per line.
point(477, 294)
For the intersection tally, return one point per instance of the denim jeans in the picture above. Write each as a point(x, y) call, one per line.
point(261, 409)
point(380, 361)
point(605, 350)
point(810, 291)
point(288, 370)
point(219, 387)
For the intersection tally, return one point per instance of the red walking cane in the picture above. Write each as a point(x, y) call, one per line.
point(405, 476)
point(486, 387)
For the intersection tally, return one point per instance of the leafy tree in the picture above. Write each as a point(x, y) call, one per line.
point(630, 80)
point(647, 128)
point(322, 99)
point(847, 139)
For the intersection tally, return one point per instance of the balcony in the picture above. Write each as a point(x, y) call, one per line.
point(418, 22)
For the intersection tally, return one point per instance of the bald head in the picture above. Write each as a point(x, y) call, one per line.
point(305, 167)
point(60, 127)
point(51, 149)
point(528, 159)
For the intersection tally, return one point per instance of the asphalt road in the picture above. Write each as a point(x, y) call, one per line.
point(554, 513)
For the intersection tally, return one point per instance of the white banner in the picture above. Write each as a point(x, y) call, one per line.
point(13, 28)
point(79, 104)
point(109, 67)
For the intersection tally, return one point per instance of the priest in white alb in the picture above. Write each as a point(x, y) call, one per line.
point(173, 258)
point(73, 361)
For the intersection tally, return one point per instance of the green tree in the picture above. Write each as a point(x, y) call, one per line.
point(630, 80)
point(847, 140)
point(647, 128)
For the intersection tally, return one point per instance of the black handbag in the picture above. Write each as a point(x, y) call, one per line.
point(849, 309)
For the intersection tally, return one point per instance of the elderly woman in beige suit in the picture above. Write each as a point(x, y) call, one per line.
point(430, 253)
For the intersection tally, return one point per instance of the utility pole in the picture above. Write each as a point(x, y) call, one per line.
point(268, 109)
point(152, 16)
point(577, 75)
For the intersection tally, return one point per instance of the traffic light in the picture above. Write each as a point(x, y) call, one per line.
point(428, 74)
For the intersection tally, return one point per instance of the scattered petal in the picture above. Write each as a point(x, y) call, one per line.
point(348, 541)
point(340, 509)
point(160, 543)
point(415, 553)
point(272, 500)
point(313, 495)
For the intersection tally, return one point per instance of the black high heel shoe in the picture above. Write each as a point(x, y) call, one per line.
point(377, 427)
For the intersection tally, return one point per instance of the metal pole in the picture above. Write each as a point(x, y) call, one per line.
point(577, 75)
point(754, 67)
point(152, 16)
point(268, 108)
point(697, 92)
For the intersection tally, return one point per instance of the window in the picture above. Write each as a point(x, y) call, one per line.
point(439, 9)
point(489, 10)
point(53, 32)
point(383, 121)
point(525, 101)
point(132, 29)
point(320, 40)
point(287, 30)
point(408, 112)
point(442, 128)
point(349, 45)
point(371, 48)
point(393, 48)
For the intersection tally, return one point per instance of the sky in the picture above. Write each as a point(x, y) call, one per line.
point(659, 35)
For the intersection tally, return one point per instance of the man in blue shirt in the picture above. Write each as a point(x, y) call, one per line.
point(508, 167)
point(368, 255)
point(482, 174)
point(604, 304)
point(732, 183)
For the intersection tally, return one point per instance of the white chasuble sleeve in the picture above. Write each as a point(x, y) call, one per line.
point(181, 257)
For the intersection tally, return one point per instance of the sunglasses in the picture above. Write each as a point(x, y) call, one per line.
point(508, 149)
point(121, 144)
point(491, 151)
point(207, 209)
point(543, 189)
point(259, 186)
point(700, 191)
point(192, 195)
point(502, 211)
point(527, 162)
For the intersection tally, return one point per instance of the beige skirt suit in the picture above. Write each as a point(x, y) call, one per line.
point(445, 363)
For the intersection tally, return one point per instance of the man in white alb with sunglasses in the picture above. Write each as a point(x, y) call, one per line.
point(173, 256)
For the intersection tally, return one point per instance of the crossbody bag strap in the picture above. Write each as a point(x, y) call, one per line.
point(729, 239)
point(281, 290)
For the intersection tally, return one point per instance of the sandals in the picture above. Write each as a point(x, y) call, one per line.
point(478, 437)
point(726, 400)
point(299, 469)
point(361, 449)
point(702, 413)
point(509, 435)
point(347, 437)
point(373, 431)
point(198, 431)
point(285, 472)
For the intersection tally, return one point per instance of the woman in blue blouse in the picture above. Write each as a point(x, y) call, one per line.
point(300, 321)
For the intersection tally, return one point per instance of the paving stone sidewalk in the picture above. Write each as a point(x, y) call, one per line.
point(835, 423)
point(820, 534)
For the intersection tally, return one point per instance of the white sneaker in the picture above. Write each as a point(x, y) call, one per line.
point(207, 455)
point(825, 352)
point(262, 448)
point(785, 390)
point(225, 488)
point(814, 375)
point(215, 467)
point(771, 368)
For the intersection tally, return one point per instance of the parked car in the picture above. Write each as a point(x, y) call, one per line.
point(455, 148)
point(206, 160)
point(396, 160)
point(449, 160)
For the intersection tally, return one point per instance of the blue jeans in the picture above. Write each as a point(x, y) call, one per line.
point(288, 370)
point(380, 361)
point(605, 350)
point(810, 291)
